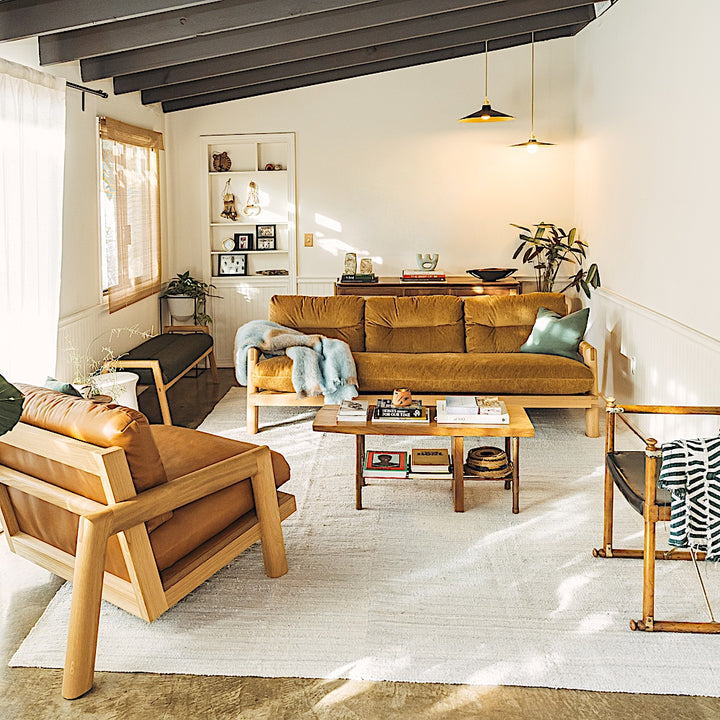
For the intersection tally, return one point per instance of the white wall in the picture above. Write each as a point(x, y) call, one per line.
point(84, 317)
point(385, 169)
point(646, 184)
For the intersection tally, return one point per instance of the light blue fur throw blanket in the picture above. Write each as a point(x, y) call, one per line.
point(321, 366)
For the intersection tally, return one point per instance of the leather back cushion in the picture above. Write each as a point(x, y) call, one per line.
point(502, 323)
point(102, 425)
point(432, 323)
point(335, 316)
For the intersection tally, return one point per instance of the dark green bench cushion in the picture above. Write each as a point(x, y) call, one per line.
point(175, 352)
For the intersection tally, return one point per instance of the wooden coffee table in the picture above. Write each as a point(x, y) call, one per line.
point(519, 426)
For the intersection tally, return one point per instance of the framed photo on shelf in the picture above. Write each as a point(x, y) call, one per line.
point(265, 231)
point(265, 243)
point(232, 264)
point(243, 241)
point(229, 244)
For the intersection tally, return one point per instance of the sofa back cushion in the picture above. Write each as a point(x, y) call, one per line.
point(339, 317)
point(502, 323)
point(432, 323)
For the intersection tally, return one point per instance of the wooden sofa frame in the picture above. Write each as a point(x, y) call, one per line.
point(589, 402)
point(146, 595)
point(154, 365)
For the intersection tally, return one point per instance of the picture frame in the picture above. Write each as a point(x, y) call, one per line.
point(265, 231)
point(265, 243)
point(244, 241)
point(232, 264)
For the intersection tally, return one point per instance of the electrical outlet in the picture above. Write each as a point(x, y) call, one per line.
point(308, 239)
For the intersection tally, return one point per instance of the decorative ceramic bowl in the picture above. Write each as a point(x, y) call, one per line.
point(491, 274)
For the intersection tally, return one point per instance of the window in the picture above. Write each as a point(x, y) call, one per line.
point(129, 211)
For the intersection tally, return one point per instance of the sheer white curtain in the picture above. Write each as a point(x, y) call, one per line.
point(32, 150)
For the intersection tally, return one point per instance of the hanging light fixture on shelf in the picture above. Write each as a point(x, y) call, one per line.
point(486, 113)
point(252, 206)
point(532, 143)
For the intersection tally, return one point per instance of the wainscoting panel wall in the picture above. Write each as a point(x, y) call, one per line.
point(320, 286)
point(647, 358)
point(85, 334)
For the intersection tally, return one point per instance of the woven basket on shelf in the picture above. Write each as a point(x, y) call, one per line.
point(488, 462)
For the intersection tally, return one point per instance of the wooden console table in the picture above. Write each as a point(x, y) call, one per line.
point(461, 285)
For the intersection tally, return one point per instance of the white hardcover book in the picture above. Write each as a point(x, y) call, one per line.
point(442, 417)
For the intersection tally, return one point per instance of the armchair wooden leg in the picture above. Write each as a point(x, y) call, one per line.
point(266, 506)
point(85, 609)
point(592, 422)
point(253, 419)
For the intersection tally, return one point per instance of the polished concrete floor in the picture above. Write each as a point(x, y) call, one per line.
point(34, 694)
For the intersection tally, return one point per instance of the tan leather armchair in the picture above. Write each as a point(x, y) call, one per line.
point(139, 515)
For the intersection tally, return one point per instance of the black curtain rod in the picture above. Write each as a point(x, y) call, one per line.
point(83, 90)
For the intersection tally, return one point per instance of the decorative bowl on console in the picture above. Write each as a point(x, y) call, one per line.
point(491, 274)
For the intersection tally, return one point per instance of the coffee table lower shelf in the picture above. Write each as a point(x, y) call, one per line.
point(519, 426)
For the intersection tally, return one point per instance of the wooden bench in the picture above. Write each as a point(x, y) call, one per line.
point(162, 360)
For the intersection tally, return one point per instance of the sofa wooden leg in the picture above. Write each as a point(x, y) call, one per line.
point(84, 609)
point(268, 512)
point(592, 422)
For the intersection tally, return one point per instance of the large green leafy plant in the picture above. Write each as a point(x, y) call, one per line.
point(185, 285)
point(11, 402)
point(547, 248)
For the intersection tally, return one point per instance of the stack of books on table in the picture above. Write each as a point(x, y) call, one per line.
point(458, 409)
point(385, 463)
point(385, 411)
point(430, 464)
point(352, 411)
point(415, 275)
point(359, 277)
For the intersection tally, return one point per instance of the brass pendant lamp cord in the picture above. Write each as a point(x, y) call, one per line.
point(486, 74)
point(532, 85)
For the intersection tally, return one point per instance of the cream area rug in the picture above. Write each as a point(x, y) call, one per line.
point(409, 590)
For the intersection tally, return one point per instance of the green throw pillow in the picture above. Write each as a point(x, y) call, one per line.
point(63, 387)
point(554, 334)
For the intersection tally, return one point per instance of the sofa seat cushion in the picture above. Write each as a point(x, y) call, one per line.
point(339, 317)
point(481, 373)
point(502, 323)
point(175, 351)
point(414, 324)
point(184, 451)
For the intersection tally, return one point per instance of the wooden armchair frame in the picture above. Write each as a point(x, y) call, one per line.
point(652, 514)
point(147, 594)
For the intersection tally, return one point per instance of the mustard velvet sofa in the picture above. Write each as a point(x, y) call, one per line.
point(434, 345)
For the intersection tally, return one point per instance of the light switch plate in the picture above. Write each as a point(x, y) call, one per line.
point(308, 239)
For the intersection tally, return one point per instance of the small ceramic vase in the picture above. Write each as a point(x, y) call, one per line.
point(402, 397)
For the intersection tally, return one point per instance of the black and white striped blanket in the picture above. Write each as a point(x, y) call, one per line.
point(691, 472)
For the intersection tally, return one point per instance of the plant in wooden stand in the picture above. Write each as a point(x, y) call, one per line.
point(187, 299)
point(548, 247)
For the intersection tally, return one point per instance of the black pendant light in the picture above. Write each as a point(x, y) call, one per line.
point(532, 144)
point(486, 113)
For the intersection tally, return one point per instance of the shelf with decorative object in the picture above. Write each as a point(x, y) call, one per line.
point(249, 223)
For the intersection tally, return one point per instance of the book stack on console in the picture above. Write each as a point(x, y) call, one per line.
point(359, 278)
point(385, 463)
point(430, 275)
point(352, 411)
point(430, 464)
point(458, 409)
point(385, 411)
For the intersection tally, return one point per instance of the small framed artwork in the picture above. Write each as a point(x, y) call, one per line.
point(266, 231)
point(232, 264)
point(265, 243)
point(229, 244)
point(243, 241)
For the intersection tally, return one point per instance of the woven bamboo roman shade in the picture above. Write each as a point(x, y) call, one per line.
point(130, 211)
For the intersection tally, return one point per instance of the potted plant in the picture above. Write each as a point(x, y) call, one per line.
point(187, 299)
point(548, 248)
point(11, 402)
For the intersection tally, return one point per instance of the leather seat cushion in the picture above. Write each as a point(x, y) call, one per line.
point(175, 351)
point(479, 373)
point(627, 468)
point(184, 451)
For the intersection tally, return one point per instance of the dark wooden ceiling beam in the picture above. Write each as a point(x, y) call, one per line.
point(25, 18)
point(186, 103)
point(367, 54)
point(176, 25)
point(239, 62)
point(413, 13)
